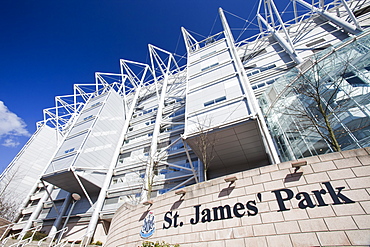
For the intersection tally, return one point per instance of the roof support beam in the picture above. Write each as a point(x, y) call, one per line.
point(287, 44)
point(190, 42)
point(351, 15)
point(348, 27)
point(283, 43)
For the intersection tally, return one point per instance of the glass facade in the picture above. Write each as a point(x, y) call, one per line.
point(324, 104)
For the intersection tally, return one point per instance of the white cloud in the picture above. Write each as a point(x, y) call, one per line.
point(10, 142)
point(11, 126)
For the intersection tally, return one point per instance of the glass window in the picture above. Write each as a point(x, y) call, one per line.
point(111, 200)
point(270, 82)
point(220, 99)
point(89, 117)
point(208, 54)
point(69, 150)
point(26, 217)
point(211, 102)
point(95, 104)
point(177, 113)
point(210, 66)
point(125, 155)
point(354, 80)
point(208, 103)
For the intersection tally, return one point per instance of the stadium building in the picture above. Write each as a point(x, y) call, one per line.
point(235, 107)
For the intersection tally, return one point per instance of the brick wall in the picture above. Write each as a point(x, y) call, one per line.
point(324, 203)
point(3, 225)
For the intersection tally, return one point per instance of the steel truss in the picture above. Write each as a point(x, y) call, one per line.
point(270, 22)
point(165, 84)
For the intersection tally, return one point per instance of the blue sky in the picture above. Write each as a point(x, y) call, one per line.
point(47, 46)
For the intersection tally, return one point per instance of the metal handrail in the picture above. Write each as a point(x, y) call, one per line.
point(21, 242)
point(61, 232)
point(62, 243)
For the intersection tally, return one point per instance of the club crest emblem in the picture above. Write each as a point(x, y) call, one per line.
point(148, 227)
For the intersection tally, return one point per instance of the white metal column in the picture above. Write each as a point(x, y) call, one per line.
point(37, 210)
point(269, 145)
point(103, 191)
point(154, 57)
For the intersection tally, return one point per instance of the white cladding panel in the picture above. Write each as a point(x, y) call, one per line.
point(220, 115)
point(207, 51)
point(81, 125)
point(93, 138)
point(28, 165)
point(215, 96)
point(229, 88)
point(99, 147)
point(103, 139)
point(75, 138)
point(212, 74)
point(61, 163)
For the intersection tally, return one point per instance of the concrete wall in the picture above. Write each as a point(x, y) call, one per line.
point(329, 205)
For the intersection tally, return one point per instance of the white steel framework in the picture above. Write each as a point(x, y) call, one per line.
point(153, 147)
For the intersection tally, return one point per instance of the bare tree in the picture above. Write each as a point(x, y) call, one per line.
point(206, 142)
point(8, 206)
point(320, 98)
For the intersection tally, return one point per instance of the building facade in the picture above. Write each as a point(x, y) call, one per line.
point(159, 127)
